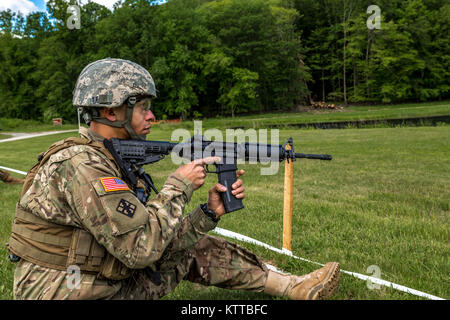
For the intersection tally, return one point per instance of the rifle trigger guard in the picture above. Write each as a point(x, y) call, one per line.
point(152, 159)
point(209, 171)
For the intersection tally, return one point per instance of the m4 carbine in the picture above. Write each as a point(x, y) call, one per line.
point(131, 155)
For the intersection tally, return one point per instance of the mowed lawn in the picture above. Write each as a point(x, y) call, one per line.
point(349, 113)
point(383, 200)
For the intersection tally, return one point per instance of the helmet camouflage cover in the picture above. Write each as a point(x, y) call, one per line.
point(110, 82)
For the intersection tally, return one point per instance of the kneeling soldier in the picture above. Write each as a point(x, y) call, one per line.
point(76, 211)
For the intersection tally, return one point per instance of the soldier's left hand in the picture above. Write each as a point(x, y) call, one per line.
point(215, 200)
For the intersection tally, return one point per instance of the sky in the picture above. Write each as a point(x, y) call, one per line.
point(27, 6)
point(24, 6)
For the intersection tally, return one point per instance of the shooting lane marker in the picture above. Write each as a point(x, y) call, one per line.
point(34, 135)
point(240, 237)
point(288, 201)
point(13, 170)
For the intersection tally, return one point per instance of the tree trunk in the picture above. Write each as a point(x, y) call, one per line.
point(345, 19)
point(367, 64)
point(344, 71)
point(323, 86)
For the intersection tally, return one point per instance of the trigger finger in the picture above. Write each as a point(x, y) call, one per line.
point(240, 173)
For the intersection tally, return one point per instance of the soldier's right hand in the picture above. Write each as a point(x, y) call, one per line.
point(195, 170)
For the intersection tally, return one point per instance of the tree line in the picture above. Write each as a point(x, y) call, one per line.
point(228, 57)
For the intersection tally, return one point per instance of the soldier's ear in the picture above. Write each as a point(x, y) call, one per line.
point(109, 113)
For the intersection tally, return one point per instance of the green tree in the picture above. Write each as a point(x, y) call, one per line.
point(260, 36)
point(211, 57)
point(238, 93)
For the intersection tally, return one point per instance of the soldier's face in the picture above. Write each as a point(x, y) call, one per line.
point(142, 115)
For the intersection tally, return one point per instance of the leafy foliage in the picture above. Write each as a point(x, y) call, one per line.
point(228, 57)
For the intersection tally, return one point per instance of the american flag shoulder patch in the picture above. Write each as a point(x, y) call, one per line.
point(113, 184)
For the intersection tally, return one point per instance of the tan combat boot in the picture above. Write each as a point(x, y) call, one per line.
point(318, 285)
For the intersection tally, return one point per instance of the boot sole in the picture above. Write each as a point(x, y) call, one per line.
point(329, 285)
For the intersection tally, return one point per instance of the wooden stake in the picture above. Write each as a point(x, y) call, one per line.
point(288, 201)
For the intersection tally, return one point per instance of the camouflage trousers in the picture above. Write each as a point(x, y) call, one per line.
point(212, 262)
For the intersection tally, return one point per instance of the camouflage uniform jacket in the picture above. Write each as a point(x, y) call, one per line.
point(68, 190)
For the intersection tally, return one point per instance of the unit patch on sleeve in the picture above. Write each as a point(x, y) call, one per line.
point(127, 208)
point(113, 184)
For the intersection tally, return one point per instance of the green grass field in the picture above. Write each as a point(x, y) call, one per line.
point(383, 200)
point(350, 113)
point(19, 125)
point(4, 136)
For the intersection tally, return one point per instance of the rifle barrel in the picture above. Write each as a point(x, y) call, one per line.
point(314, 156)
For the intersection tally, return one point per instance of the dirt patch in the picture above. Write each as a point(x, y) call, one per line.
point(311, 109)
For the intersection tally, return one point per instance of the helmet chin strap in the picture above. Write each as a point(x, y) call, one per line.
point(128, 126)
point(125, 123)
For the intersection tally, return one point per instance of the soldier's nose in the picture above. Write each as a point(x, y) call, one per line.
point(150, 116)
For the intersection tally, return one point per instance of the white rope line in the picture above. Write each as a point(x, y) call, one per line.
point(14, 170)
point(237, 236)
point(33, 135)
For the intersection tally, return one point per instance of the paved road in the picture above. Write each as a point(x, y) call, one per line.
point(22, 135)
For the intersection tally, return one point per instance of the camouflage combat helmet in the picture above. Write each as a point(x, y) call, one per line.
point(111, 83)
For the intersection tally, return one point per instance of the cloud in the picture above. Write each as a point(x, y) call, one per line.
point(24, 6)
point(27, 6)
